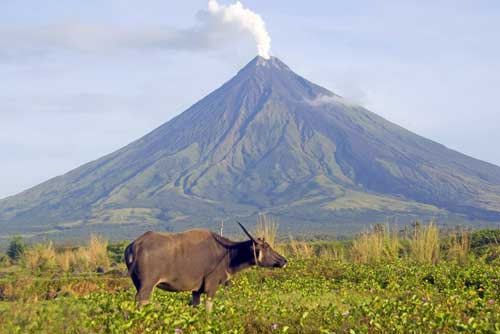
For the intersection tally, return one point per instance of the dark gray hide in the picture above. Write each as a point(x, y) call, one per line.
point(196, 260)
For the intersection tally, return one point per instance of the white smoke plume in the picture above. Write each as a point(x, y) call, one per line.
point(245, 20)
point(217, 27)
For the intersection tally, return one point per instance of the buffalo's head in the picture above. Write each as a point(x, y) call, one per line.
point(264, 255)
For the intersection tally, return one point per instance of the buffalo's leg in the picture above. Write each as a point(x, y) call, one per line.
point(210, 289)
point(144, 293)
point(196, 298)
point(209, 303)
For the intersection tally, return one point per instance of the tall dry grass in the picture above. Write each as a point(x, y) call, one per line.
point(299, 249)
point(92, 256)
point(98, 252)
point(267, 228)
point(65, 260)
point(331, 253)
point(424, 246)
point(42, 257)
point(380, 244)
point(459, 246)
point(82, 260)
point(367, 248)
point(421, 244)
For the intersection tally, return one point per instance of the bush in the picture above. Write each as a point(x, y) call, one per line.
point(16, 248)
point(484, 238)
point(116, 251)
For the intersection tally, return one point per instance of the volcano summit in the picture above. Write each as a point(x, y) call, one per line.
point(267, 141)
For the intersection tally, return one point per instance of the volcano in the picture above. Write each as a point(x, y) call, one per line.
point(267, 141)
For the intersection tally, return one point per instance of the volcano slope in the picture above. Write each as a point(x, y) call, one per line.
point(267, 141)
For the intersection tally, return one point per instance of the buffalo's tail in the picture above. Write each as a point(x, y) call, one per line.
point(129, 257)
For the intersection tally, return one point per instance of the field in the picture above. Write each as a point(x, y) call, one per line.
point(325, 289)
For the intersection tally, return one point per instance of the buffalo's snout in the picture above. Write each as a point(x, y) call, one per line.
point(281, 263)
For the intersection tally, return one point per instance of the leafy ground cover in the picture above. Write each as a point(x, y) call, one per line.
point(315, 295)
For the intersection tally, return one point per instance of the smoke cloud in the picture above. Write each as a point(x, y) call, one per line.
point(217, 26)
point(245, 20)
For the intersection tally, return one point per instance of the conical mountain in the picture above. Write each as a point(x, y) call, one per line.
point(267, 141)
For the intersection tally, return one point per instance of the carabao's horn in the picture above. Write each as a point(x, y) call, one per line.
point(247, 233)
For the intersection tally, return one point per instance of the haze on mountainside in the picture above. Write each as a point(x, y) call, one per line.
point(267, 141)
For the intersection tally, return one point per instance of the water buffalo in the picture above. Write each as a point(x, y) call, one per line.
point(196, 260)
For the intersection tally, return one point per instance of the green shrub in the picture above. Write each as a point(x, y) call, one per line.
point(485, 237)
point(116, 251)
point(16, 248)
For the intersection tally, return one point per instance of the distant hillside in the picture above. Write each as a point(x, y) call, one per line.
point(266, 141)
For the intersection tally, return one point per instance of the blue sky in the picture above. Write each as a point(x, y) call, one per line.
point(81, 79)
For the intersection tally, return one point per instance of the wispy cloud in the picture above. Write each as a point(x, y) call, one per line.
point(100, 38)
point(356, 100)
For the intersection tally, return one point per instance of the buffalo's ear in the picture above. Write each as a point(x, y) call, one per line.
point(248, 234)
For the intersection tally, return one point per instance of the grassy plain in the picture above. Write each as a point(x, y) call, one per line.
point(327, 288)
